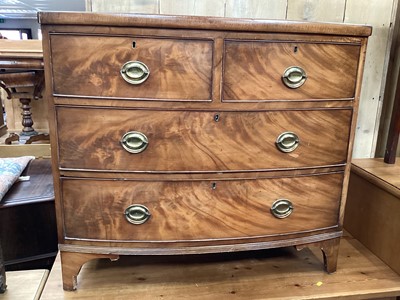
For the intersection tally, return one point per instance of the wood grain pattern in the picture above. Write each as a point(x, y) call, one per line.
point(314, 10)
point(270, 9)
point(179, 69)
point(264, 275)
point(73, 263)
point(193, 7)
point(196, 210)
point(378, 14)
point(377, 172)
point(26, 48)
point(26, 284)
point(186, 141)
point(197, 22)
point(190, 141)
point(123, 6)
point(254, 70)
point(373, 207)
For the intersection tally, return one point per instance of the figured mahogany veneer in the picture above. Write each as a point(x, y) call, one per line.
point(192, 141)
point(253, 70)
point(200, 210)
point(180, 69)
point(240, 133)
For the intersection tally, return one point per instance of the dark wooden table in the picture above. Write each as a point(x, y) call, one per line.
point(27, 220)
point(22, 77)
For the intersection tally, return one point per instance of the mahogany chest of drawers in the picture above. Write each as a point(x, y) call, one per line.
point(181, 135)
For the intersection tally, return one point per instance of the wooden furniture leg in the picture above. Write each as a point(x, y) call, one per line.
point(27, 121)
point(2, 273)
point(394, 129)
point(330, 251)
point(71, 264)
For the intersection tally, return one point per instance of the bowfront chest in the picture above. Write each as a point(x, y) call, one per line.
point(189, 135)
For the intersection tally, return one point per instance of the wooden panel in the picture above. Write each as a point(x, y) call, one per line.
point(315, 10)
point(123, 6)
point(196, 210)
point(378, 14)
point(376, 171)
point(272, 274)
point(179, 69)
point(269, 9)
point(37, 150)
point(32, 281)
point(193, 141)
point(209, 23)
point(17, 48)
point(254, 70)
point(193, 7)
point(373, 208)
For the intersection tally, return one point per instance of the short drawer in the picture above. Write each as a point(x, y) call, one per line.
point(198, 210)
point(178, 69)
point(199, 141)
point(256, 70)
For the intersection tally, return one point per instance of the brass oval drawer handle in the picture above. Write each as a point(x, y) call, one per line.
point(282, 208)
point(294, 77)
point(135, 72)
point(134, 142)
point(287, 142)
point(137, 214)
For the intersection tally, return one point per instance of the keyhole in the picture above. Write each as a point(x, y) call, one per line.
point(134, 44)
point(216, 117)
point(214, 185)
point(295, 49)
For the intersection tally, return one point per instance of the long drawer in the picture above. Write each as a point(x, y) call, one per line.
point(260, 71)
point(198, 210)
point(200, 141)
point(85, 65)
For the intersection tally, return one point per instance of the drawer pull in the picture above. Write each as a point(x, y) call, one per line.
point(135, 72)
point(287, 142)
point(294, 77)
point(137, 214)
point(282, 208)
point(134, 142)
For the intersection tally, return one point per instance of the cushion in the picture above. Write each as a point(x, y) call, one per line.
point(10, 170)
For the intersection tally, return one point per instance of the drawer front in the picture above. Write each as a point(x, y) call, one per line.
point(198, 141)
point(198, 210)
point(179, 69)
point(254, 70)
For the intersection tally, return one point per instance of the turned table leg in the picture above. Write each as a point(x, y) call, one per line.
point(71, 264)
point(27, 121)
